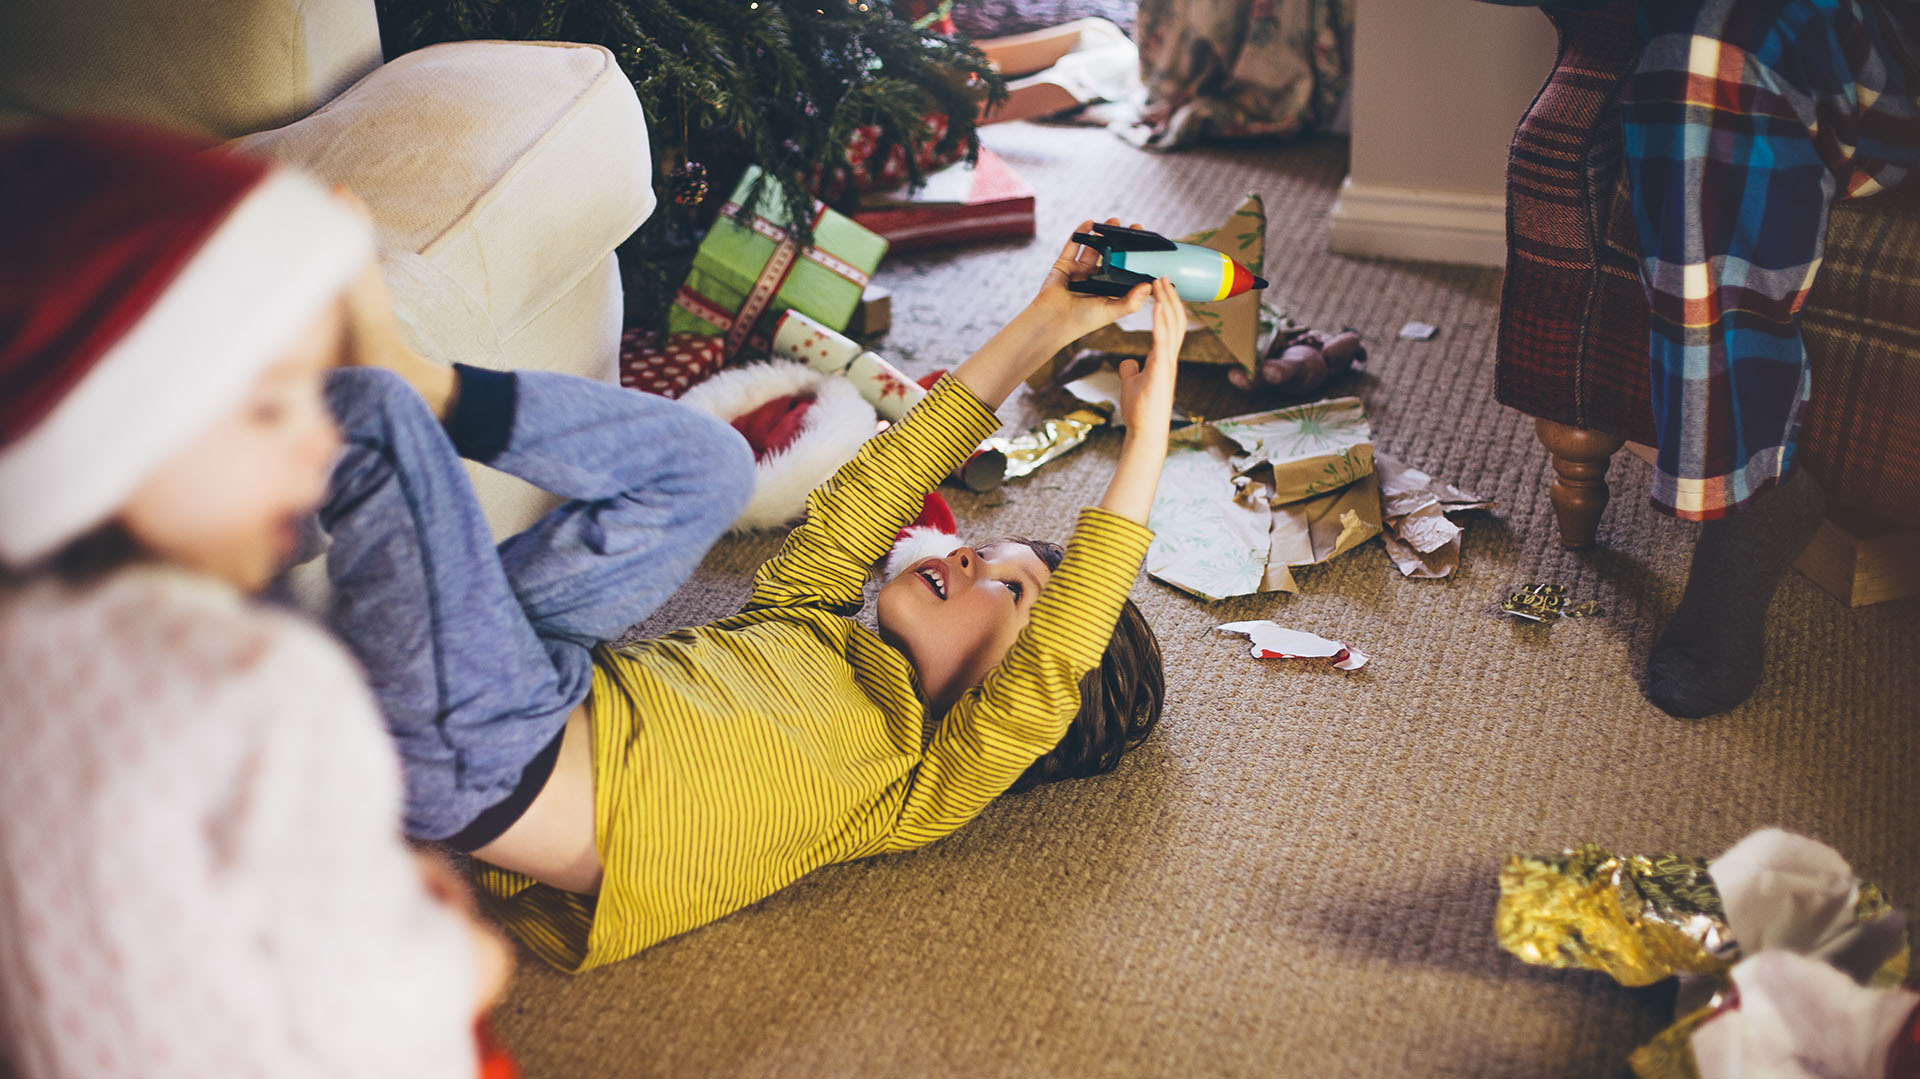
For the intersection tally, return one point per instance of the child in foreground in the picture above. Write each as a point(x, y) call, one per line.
point(709, 768)
point(201, 864)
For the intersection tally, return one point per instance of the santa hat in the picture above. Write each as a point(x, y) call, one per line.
point(933, 534)
point(802, 424)
point(144, 283)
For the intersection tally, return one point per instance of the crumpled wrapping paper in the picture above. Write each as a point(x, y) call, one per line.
point(1639, 918)
point(1419, 537)
point(1761, 933)
point(1243, 499)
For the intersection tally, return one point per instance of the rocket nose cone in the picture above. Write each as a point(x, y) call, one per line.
point(1259, 282)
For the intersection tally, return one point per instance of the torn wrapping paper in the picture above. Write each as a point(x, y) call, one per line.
point(1545, 603)
point(1638, 918)
point(1242, 500)
point(1101, 389)
point(1723, 927)
point(1032, 448)
point(1418, 535)
point(1274, 641)
point(1013, 456)
point(1793, 1017)
point(1237, 330)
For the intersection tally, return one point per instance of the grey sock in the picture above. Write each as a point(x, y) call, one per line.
point(1710, 656)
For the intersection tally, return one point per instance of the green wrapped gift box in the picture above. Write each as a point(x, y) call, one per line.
point(746, 274)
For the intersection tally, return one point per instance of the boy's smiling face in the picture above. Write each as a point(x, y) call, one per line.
point(955, 617)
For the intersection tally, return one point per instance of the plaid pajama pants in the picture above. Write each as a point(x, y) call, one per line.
point(1742, 124)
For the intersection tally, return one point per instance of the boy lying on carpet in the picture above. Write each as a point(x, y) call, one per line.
point(685, 777)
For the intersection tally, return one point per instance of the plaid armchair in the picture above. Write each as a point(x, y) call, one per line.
point(1573, 319)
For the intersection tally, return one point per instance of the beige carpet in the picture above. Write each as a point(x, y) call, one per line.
point(1297, 875)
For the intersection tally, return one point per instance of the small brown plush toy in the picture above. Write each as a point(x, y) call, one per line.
point(1301, 364)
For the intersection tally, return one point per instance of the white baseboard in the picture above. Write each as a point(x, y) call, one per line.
point(1420, 224)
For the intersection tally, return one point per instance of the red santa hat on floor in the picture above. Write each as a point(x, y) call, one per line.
point(145, 281)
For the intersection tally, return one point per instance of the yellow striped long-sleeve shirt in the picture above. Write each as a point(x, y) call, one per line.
point(734, 758)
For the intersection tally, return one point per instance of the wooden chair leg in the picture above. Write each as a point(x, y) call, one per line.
point(1579, 493)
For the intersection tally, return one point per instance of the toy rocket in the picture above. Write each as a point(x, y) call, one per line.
point(1131, 256)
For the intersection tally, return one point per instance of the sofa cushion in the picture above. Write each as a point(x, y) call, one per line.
point(216, 67)
point(506, 169)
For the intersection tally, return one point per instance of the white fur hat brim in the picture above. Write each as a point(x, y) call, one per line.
point(284, 251)
point(831, 433)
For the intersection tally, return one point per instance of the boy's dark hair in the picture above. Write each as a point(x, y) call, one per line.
point(1119, 700)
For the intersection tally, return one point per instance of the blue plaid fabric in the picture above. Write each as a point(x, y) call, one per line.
point(1742, 124)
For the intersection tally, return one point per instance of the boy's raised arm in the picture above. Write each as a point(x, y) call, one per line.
point(1023, 707)
point(853, 517)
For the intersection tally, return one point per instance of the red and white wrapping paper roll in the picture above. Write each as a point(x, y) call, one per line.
point(797, 337)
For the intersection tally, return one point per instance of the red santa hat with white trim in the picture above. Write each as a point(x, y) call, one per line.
point(145, 281)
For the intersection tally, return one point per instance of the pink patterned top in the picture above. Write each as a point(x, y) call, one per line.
point(201, 870)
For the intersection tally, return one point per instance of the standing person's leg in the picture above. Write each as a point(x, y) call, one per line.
point(1746, 119)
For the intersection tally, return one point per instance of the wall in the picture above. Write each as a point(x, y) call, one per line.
point(1438, 87)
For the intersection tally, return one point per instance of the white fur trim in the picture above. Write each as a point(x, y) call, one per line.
point(919, 544)
point(832, 432)
point(283, 251)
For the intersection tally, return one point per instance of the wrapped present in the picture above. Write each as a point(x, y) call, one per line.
point(865, 169)
point(962, 203)
point(874, 315)
point(797, 337)
point(670, 366)
point(746, 274)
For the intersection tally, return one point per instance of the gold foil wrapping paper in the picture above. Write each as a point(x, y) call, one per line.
point(1032, 448)
point(1639, 918)
point(1546, 603)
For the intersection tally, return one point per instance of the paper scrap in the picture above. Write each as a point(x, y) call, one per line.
point(1419, 331)
point(1545, 603)
point(1274, 641)
point(1243, 499)
point(1101, 389)
point(1419, 537)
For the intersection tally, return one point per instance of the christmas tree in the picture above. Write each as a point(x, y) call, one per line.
point(784, 84)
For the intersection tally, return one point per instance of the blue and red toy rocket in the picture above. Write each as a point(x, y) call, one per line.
point(1129, 257)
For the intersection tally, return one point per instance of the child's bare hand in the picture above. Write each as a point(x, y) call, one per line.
point(1146, 388)
point(1077, 313)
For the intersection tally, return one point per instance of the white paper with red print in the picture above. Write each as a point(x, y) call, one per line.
point(1273, 641)
point(797, 337)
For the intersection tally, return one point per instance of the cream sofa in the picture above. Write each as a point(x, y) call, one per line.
point(500, 175)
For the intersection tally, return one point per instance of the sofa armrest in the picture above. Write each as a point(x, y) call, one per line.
point(499, 175)
point(1573, 337)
